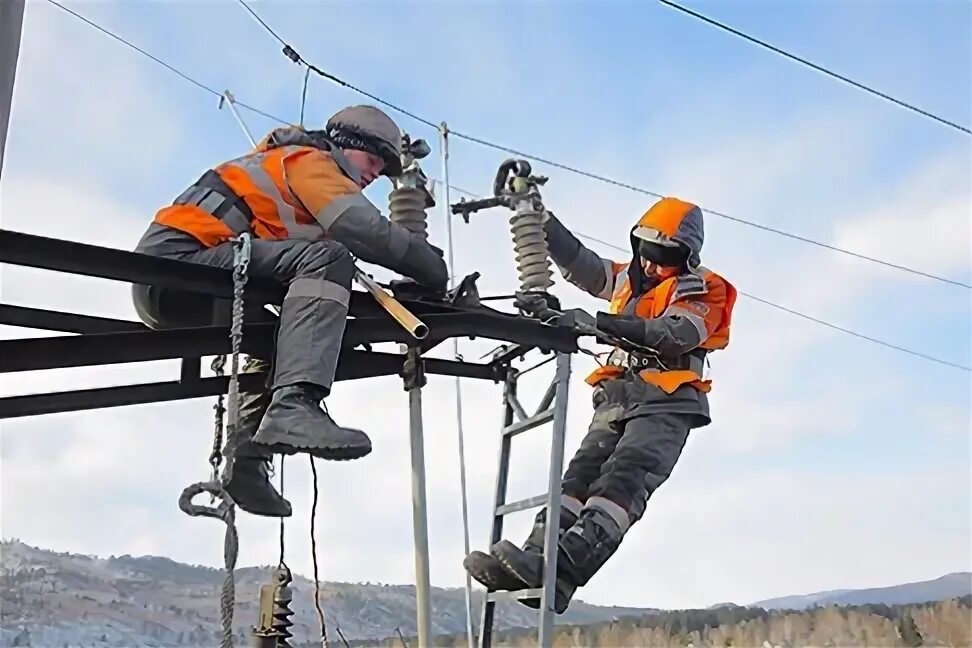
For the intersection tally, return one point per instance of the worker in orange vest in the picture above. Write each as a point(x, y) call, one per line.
point(299, 195)
point(646, 402)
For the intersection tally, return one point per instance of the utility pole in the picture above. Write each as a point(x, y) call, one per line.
point(11, 25)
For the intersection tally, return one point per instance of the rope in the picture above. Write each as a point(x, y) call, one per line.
point(227, 513)
point(226, 510)
point(283, 546)
point(313, 538)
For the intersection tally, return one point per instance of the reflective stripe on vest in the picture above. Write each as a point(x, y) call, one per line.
point(649, 306)
point(274, 204)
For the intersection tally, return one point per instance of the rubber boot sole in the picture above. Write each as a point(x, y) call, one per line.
point(330, 454)
point(489, 571)
point(528, 567)
point(290, 444)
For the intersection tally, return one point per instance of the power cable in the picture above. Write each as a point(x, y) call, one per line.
point(735, 219)
point(767, 302)
point(141, 51)
point(774, 305)
point(810, 317)
point(303, 97)
point(818, 68)
point(313, 539)
point(297, 58)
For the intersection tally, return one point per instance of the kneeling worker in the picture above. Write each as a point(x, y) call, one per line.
point(645, 405)
point(299, 195)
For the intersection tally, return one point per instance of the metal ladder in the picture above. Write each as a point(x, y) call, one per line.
point(553, 407)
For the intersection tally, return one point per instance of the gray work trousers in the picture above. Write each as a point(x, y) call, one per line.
point(626, 460)
point(318, 277)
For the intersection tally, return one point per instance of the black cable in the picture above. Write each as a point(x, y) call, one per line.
point(769, 303)
point(860, 335)
point(578, 171)
point(303, 97)
point(313, 538)
point(283, 547)
point(735, 219)
point(265, 25)
point(295, 56)
point(816, 67)
point(138, 49)
point(298, 59)
point(135, 47)
point(810, 317)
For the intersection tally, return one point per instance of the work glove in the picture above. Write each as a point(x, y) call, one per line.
point(627, 327)
point(424, 263)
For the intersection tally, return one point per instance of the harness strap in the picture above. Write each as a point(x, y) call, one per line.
point(213, 196)
point(693, 361)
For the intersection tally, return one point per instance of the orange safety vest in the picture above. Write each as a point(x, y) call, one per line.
point(719, 298)
point(260, 180)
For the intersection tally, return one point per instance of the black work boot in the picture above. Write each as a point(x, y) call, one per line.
point(585, 548)
point(526, 565)
point(295, 422)
point(249, 483)
point(489, 571)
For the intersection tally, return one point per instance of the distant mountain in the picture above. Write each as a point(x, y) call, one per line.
point(54, 600)
point(949, 586)
point(943, 623)
point(50, 599)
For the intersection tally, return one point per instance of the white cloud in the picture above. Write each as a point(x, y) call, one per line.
point(742, 538)
point(707, 537)
point(924, 224)
point(84, 96)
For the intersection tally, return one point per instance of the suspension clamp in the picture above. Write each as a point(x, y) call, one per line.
point(413, 370)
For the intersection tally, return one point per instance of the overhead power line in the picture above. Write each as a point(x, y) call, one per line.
point(810, 317)
point(297, 58)
point(768, 302)
point(816, 67)
point(720, 214)
point(141, 51)
point(472, 194)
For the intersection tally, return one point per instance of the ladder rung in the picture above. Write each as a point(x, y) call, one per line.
point(530, 423)
point(514, 596)
point(522, 505)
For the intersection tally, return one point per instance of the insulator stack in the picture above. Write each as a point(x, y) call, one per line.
point(281, 615)
point(530, 251)
point(273, 630)
point(407, 207)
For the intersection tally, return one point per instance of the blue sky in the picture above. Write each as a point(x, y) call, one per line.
point(820, 441)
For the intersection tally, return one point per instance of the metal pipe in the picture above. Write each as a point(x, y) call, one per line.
point(416, 327)
point(228, 98)
point(562, 378)
point(444, 150)
point(420, 523)
point(11, 26)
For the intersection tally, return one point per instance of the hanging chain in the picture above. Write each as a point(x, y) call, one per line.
point(241, 265)
point(215, 487)
point(241, 262)
point(216, 456)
